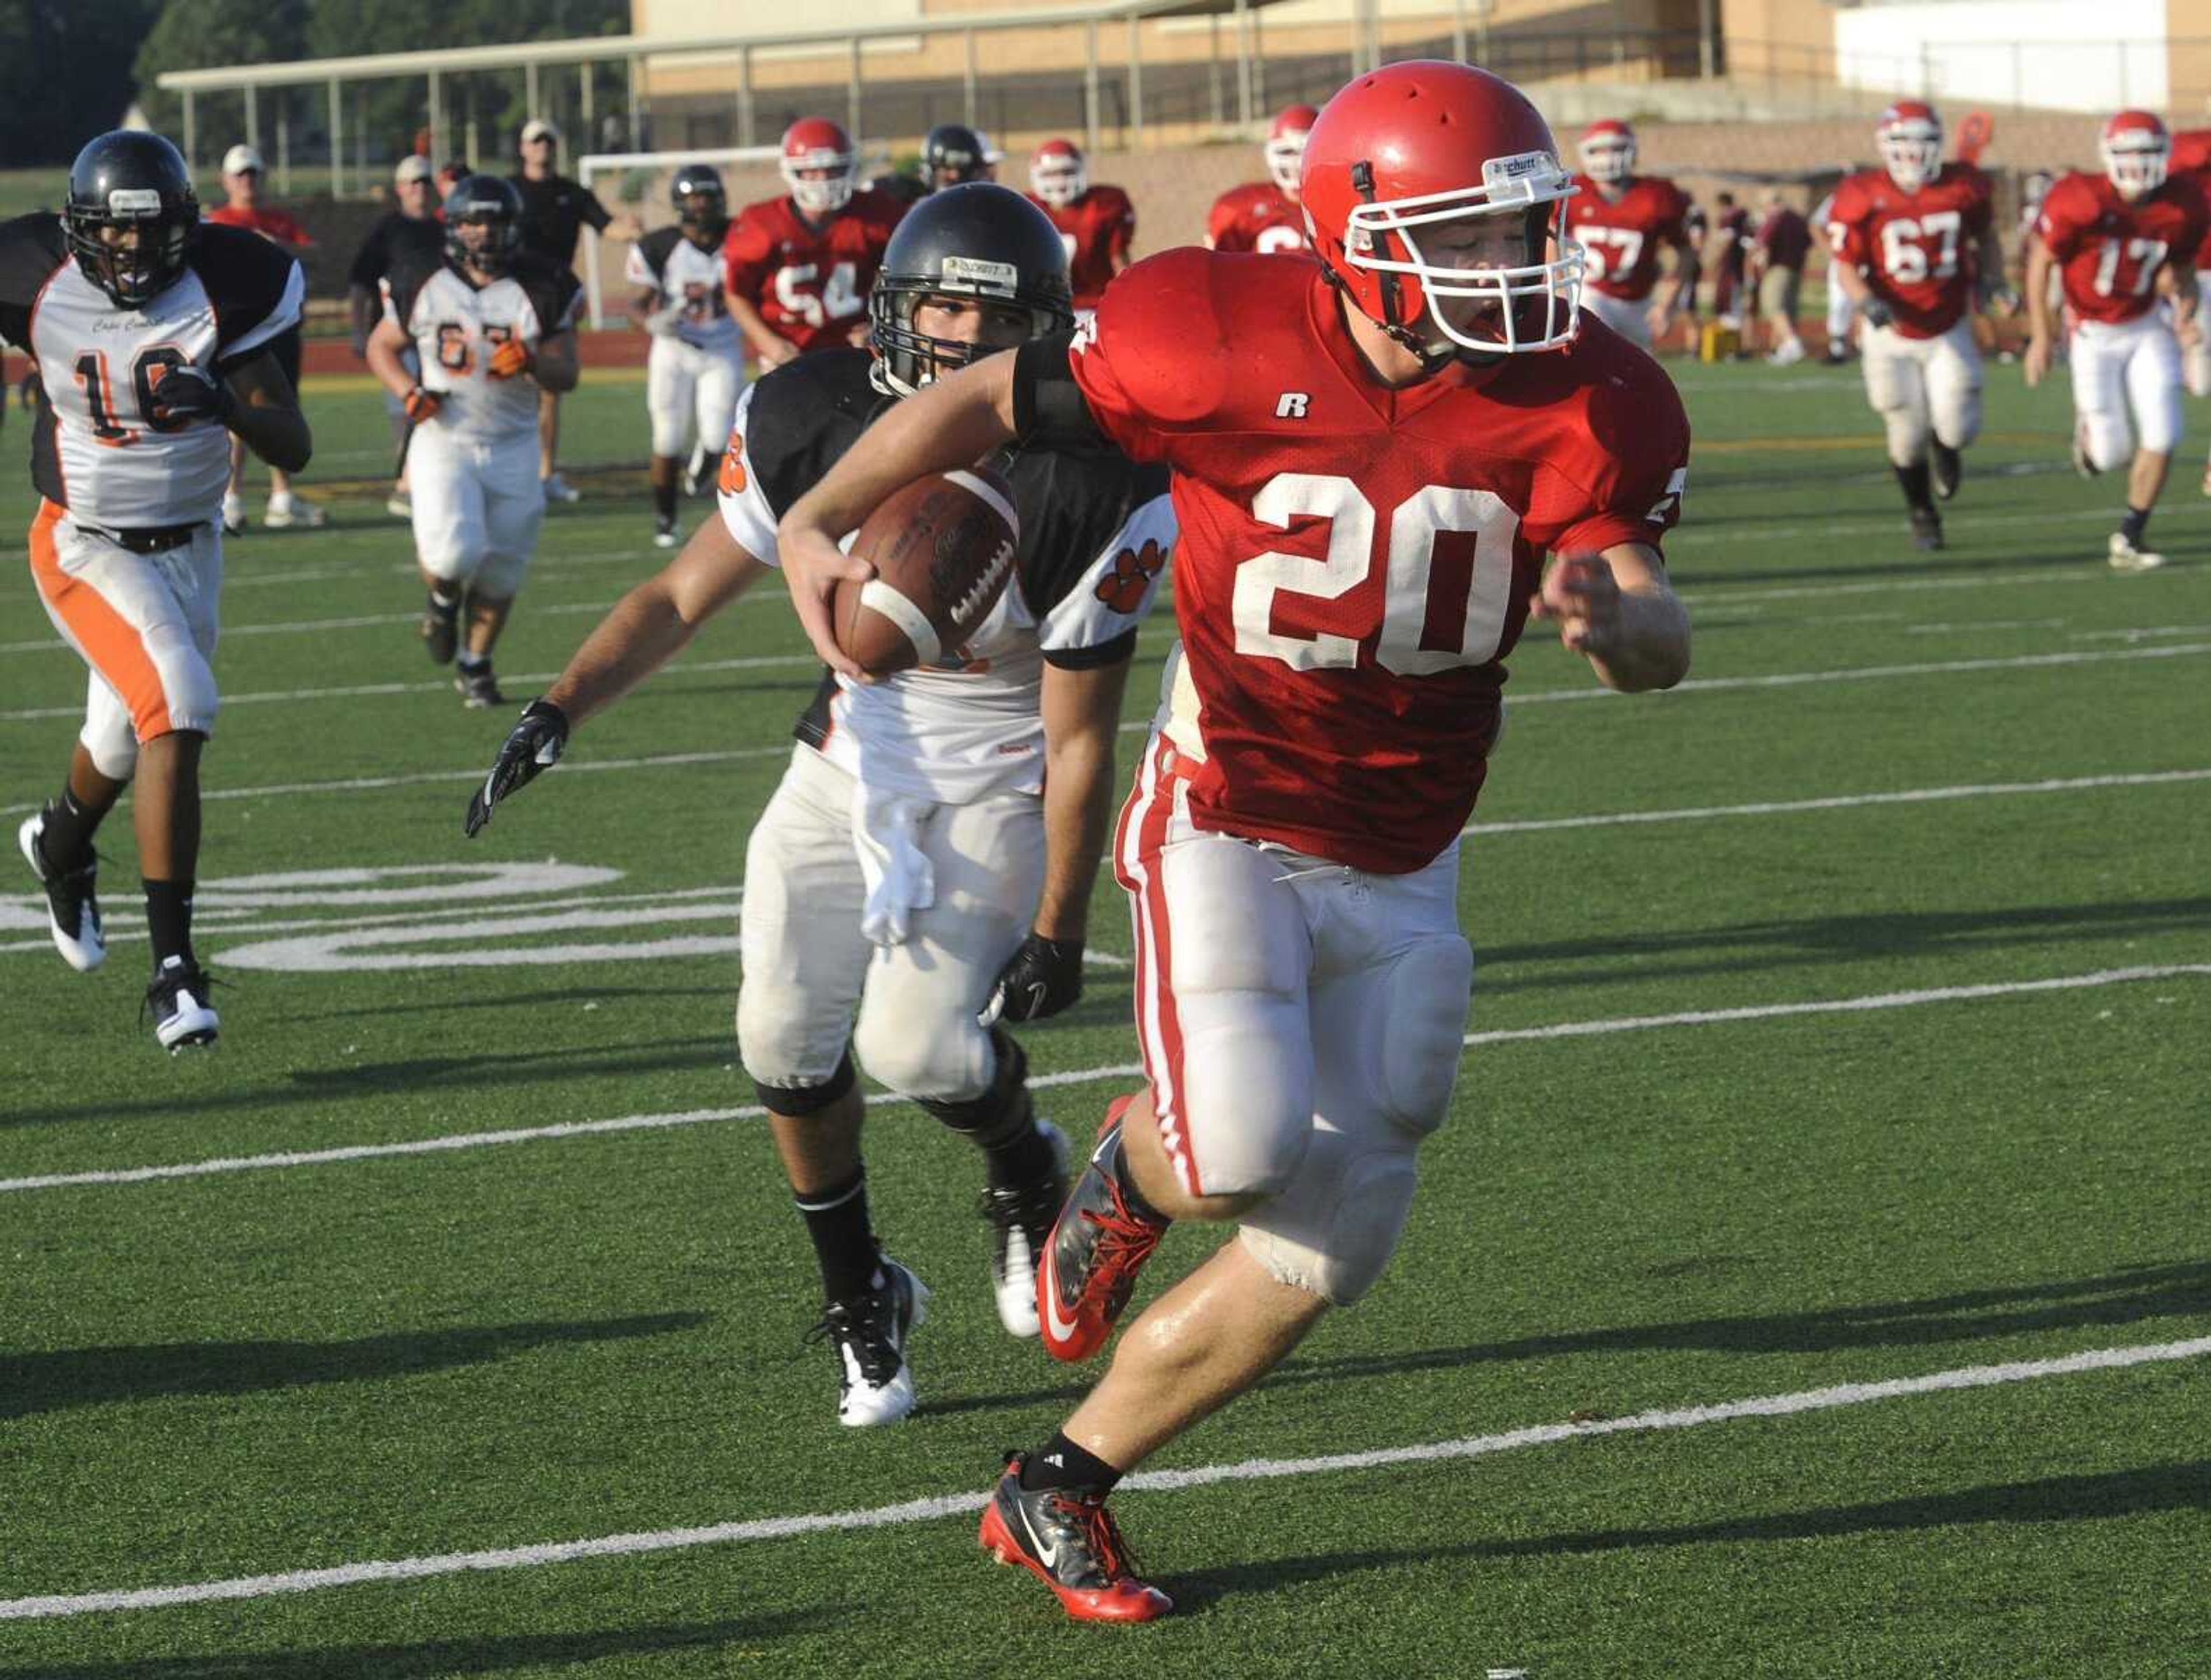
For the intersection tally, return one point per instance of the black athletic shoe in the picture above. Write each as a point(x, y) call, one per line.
point(177, 997)
point(664, 535)
point(478, 686)
point(441, 632)
point(1070, 1540)
point(1020, 1218)
point(875, 1384)
point(72, 906)
point(1947, 470)
point(1926, 528)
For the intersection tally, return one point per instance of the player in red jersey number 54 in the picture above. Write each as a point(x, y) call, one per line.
point(1369, 469)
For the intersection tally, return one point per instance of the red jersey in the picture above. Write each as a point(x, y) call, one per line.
point(1915, 249)
point(1256, 216)
point(1354, 563)
point(1095, 228)
point(269, 224)
point(2110, 251)
point(1622, 239)
point(2192, 155)
point(809, 281)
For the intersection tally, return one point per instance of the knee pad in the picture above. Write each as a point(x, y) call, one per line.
point(799, 1099)
point(112, 746)
point(1908, 436)
point(931, 1058)
point(2109, 441)
point(672, 430)
point(784, 1049)
point(1423, 1025)
point(1332, 1232)
point(1003, 1107)
point(499, 576)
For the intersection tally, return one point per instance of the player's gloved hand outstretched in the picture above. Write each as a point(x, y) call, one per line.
point(422, 405)
point(189, 392)
point(534, 745)
point(511, 358)
point(1042, 978)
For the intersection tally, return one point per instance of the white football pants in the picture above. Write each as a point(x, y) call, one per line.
point(1919, 385)
point(2133, 366)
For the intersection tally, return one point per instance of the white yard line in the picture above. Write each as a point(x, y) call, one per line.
point(966, 1503)
point(474, 1140)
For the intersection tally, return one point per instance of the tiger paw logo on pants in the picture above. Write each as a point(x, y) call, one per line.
point(1123, 589)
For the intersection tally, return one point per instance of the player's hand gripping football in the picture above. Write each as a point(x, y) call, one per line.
point(1039, 980)
point(534, 746)
point(1581, 594)
point(812, 566)
point(189, 392)
point(511, 357)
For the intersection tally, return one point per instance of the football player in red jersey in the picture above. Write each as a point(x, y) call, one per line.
point(2191, 156)
point(1370, 462)
point(1266, 215)
point(1914, 241)
point(1623, 220)
point(798, 268)
point(2117, 240)
point(1096, 223)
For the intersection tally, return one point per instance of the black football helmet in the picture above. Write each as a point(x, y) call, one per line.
point(953, 152)
point(128, 178)
point(489, 202)
point(975, 240)
point(702, 207)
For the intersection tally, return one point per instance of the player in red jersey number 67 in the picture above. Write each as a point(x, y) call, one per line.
point(1369, 469)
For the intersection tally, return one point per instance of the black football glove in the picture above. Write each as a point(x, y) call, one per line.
point(1877, 313)
point(189, 392)
point(534, 745)
point(1042, 978)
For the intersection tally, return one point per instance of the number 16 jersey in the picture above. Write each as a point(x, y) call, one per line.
point(1355, 562)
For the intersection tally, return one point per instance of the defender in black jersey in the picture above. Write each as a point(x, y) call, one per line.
point(928, 857)
point(155, 338)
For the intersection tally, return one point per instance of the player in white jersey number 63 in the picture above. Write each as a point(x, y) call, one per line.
point(156, 338)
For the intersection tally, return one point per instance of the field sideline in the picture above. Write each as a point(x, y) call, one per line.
point(1811, 1279)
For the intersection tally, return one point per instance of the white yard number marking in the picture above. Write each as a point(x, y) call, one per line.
point(1625, 248)
point(837, 300)
point(1904, 247)
point(2150, 253)
point(1415, 525)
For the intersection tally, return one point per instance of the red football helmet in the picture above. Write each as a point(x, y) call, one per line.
point(1910, 138)
point(1608, 151)
point(1057, 173)
point(2137, 151)
point(1286, 144)
point(1417, 146)
point(819, 166)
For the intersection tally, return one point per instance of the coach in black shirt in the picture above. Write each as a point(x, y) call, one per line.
point(396, 234)
point(555, 212)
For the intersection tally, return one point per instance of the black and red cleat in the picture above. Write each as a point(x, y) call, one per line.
point(1069, 1542)
point(1092, 1257)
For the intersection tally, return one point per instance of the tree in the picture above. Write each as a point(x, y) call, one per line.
point(66, 74)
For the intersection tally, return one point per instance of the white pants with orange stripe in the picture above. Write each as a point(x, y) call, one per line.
point(144, 623)
point(1301, 1023)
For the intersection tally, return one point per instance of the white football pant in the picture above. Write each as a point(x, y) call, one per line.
point(1300, 1023)
point(686, 386)
point(1921, 385)
point(476, 507)
point(2195, 359)
point(807, 965)
point(1842, 308)
point(1631, 320)
point(2133, 366)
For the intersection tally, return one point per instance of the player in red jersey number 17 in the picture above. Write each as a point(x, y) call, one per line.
point(1372, 453)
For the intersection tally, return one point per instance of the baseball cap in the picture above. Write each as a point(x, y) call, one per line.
point(241, 160)
point(412, 167)
point(538, 129)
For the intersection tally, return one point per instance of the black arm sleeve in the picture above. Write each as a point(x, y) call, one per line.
point(1049, 412)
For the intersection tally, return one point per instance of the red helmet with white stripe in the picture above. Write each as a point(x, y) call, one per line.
point(1608, 151)
point(2136, 152)
point(1909, 139)
point(1286, 144)
point(819, 164)
point(1414, 152)
point(1057, 173)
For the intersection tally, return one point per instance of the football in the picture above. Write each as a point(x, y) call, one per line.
point(943, 548)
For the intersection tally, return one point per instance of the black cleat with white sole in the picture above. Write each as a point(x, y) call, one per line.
point(875, 1384)
point(178, 999)
point(1020, 1218)
point(478, 688)
point(1948, 469)
point(72, 903)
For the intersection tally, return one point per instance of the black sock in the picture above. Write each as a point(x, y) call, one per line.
point(445, 605)
point(469, 661)
point(65, 839)
point(2135, 526)
point(837, 1219)
point(169, 919)
point(663, 500)
point(1059, 1462)
point(1022, 1157)
point(1119, 1166)
point(1917, 480)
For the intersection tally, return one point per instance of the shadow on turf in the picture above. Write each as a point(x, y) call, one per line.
point(2183, 1487)
point(40, 1382)
point(488, 1655)
point(1822, 938)
point(2128, 1296)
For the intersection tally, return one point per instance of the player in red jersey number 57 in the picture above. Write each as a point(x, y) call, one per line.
point(1369, 470)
